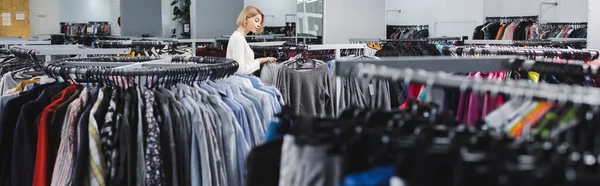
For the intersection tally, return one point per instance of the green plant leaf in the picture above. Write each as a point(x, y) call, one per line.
point(174, 2)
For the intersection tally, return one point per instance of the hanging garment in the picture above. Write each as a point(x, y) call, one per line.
point(308, 90)
point(127, 136)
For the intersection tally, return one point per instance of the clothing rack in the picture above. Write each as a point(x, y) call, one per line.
point(466, 65)
point(566, 23)
point(337, 48)
point(364, 40)
point(533, 42)
point(402, 69)
point(304, 38)
point(49, 50)
point(131, 43)
point(551, 41)
point(512, 18)
point(547, 52)
point(408, 26)
point(271, 43)
point(24, 54)
point(428, 39)
point(489, 42)
point(9, 42)
point(156, 66)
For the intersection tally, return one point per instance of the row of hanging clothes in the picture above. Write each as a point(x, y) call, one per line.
point(562, 30)
point(134, 121)
point(398, 92)
point(508, 28)
point(91, 28)
point(20, 65)
point(306, 80)
point(401, 92)
point(555, 141)
point(472, 107)
point(415, 47)
point(557, 44)
point(146, 48)
point(407, 31)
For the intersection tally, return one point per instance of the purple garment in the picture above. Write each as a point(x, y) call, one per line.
point(460, 111)
point(474, 110)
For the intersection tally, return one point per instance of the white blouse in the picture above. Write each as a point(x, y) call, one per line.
point(239, 50)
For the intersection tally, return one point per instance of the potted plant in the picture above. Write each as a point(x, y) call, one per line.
point(181, 13)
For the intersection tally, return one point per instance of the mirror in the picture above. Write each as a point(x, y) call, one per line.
point(309, 17)
point(279, 15)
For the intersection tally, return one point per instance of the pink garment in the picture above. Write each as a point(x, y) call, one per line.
point(507, 31)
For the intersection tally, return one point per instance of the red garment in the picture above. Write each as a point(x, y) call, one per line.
point(413, 93)
point(42, 174)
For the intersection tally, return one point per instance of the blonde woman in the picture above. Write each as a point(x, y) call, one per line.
point(250, 20)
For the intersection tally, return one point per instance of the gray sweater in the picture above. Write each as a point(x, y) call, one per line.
point(308, 91)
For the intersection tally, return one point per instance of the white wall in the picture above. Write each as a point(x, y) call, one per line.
point(222, 20)
point(459, 17)
point(567, 10)
point(444, 17)
point(594, 25)
point(44, 18)
point(274, 10)
point(83, 11)
point(345, 19)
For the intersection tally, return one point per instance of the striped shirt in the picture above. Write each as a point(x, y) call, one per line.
point(64, 158)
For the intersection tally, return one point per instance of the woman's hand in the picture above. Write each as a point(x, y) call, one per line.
point(267, 60)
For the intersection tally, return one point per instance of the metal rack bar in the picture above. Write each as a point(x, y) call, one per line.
point(520, 51)
point(568, 39)
point(273, 43)
point(9, 42)
point(425, 39)
point(489, 42)
point(435, 63)
point(48, 52)
point(364, 40)
point(337, 48)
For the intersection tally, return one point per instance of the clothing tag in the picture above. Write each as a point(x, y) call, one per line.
point(371, 89)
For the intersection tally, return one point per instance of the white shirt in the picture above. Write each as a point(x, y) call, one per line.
point(239, 50)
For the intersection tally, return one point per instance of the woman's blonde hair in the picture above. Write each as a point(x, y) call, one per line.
point(248, 12)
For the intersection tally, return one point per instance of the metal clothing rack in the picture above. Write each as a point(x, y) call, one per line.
point(134, 42)
point(572, 94)
point(409, 26)
point(7, 43)
point(337, 48)
point(566, 23)
point(489, 42)
point(512, 18)
point(547, 52)
point(50, 50)
point(530, 42)
point(448, 64)
point(364, 40)
point(427, 39)
point(271, 43)
point(142, 66)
